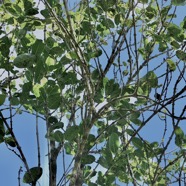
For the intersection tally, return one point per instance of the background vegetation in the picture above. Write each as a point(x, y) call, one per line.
point(90, 69)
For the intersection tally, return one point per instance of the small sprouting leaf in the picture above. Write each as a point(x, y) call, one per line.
point(24, 60)
point(114, 142)
point(2, 98)
point(171, 65)
point(32, 175)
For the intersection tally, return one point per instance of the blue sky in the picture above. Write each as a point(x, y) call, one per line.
point(24, 126)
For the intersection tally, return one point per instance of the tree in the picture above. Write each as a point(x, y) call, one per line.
point(91, 74)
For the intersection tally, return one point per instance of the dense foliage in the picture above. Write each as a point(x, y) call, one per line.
point(90, 70)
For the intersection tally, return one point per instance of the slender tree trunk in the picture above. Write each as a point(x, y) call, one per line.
point(52, 164)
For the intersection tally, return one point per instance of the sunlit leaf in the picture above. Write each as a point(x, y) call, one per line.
point(36, 90)
point(171, 65)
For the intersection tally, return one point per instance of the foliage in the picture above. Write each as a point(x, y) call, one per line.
point(91, 74)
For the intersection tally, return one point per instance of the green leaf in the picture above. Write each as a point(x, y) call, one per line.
point(176, 32)
point(54, 100)
point(137, 142)
point(88, 159)
point(32, 11)
point(97, 53)
point(183, 23)
point(50, 42)
point(50, 61)
point(45, 13)
point(52, 120)
point(129, 132)
point(178, 2)
point(162, 46)
point(113, 142)
point(2, 98)
point(181, 55)
point(85, 27)
point(32, 175)
point(10, 8)
point(36, 90)
point(103, 162)
point(5, 44)
point(175, 44)
point(58, 125)
point(179, 139)
point(72, 133)
point(24, 60)
point(38, 47)
point(150, 12)
point(117, 19)
point(179, 132)
point(171, 65)
point(14, 101)
point(143, 1)
point(139, 153)
point(57, 136)
point(10, 141)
